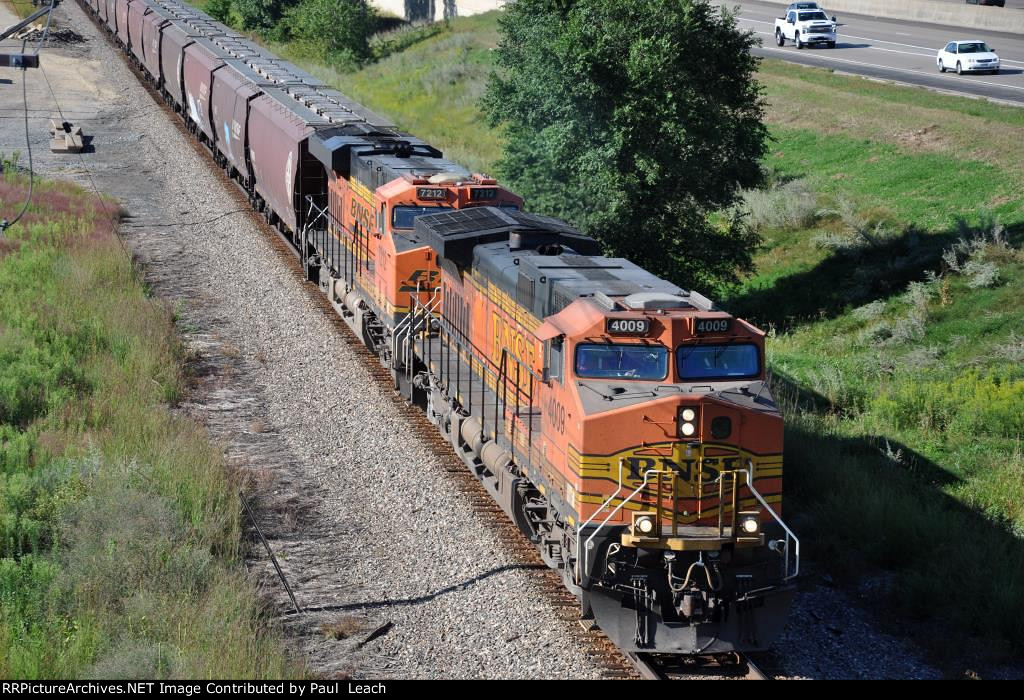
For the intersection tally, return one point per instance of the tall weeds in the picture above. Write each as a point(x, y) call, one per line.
point(119, 524)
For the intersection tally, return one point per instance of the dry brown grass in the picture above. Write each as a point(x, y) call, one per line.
point(344, 627)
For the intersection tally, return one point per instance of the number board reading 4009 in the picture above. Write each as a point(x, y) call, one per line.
point(628, 326)
point(713, 325)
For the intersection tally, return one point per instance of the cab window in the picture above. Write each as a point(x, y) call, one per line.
point(599, 361)
point(403, 217)
point(718, 362)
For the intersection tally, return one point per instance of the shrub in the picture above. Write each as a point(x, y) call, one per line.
point(336, 32)
point(793, 205)
point(261, 15)
point(870, 311)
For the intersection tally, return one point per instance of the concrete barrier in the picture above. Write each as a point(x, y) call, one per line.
point(996, 19)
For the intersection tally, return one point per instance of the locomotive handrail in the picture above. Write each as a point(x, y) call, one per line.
point(579, 530)
point(320, 212)
point(407, 326)
point(790, 535)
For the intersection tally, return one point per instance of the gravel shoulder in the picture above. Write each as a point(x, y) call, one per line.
point(367, 525)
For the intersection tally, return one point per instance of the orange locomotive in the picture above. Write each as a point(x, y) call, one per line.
point(378, 184)
point(623, 423)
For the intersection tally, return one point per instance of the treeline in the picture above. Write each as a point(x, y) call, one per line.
point(333, 32)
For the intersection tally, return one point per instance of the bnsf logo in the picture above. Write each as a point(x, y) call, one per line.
point(362, 216)
point(424, 280)
point(687, 470)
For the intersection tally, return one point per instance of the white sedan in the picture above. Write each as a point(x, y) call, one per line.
point(967, 56)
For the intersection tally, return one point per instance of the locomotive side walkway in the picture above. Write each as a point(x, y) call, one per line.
point(362, 517)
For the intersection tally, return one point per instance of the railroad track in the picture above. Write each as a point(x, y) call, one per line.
point(660, 667)
point(614, 663)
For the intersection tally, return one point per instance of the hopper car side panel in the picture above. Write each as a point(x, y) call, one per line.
point(121, 10)
point(137, 10)
point(152, 24)
point(277, 148)
point(201, 61)
point(230, 113)
point(173, 41)
point(111, 15)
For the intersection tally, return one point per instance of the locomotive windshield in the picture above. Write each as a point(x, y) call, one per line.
point(621, 361)
point(740, 361)
point(403, 217)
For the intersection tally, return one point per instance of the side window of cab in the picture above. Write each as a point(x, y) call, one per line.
point(556, 358)
point(791, 18)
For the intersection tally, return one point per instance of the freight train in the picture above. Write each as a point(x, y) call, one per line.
point(624, 424)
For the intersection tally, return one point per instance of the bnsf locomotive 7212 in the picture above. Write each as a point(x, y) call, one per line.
point(624, 424)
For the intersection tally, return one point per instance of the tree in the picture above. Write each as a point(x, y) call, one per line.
point(261, 15)
point(334, 31)
point(220, 10)
point(636, 121)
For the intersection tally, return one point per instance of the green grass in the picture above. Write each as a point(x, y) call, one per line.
point(22, 8)
point(904, 417)
point(119, 521)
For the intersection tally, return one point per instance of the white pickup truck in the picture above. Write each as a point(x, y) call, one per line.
point(804, 27)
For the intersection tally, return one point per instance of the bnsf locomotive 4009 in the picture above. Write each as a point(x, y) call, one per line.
point(624, 424)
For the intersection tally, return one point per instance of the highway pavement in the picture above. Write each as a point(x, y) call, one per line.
point(895, 50)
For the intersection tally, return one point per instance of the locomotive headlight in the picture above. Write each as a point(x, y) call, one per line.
point(750, 524)
point(644, 524)
point(687, 421)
